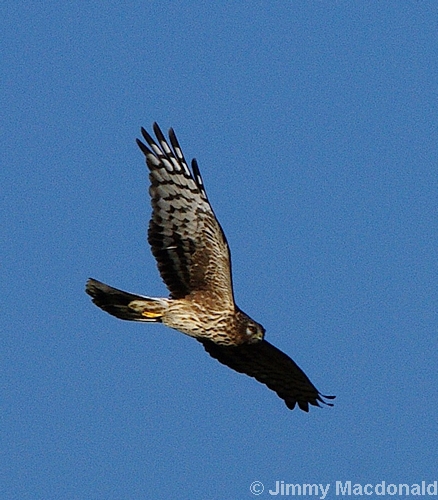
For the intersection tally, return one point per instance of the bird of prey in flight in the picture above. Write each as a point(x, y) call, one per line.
point(193, 259)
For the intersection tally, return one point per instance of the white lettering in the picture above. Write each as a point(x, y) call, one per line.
point(434, 485)
point(325, 491)
point(357, 489)
point(381, 488)
point(415, 489)
point(367, 490)
point(400, 489)
point(310, 487)
point(293, 487)
point(391, 489)
point(347, 488)
point(343, 490)
point(277, 491)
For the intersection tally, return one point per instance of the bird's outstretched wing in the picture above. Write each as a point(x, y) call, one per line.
point(271, 367)
point(186, 239)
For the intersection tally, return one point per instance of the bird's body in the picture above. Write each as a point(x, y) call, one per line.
point(194, 261)
point(195, 315)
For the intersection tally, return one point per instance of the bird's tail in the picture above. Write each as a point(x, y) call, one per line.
point(126, 305)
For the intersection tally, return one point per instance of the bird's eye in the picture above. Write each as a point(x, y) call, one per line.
point(251, 330)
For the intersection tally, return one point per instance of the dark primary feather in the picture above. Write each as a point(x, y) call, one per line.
point(271, 367)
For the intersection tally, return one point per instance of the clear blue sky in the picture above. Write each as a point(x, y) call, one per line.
point(315, 128)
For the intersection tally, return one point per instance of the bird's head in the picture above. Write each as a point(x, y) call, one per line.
point(251, 331)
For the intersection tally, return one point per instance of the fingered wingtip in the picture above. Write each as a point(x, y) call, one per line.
point(158, 132)
point(322, 398)
point(146, 135)
point(172, 135)
point(142, 146)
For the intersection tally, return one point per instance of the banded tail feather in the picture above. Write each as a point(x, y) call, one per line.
point(125, 305)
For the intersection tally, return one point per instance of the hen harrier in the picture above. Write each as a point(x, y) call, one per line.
point(194, 262)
